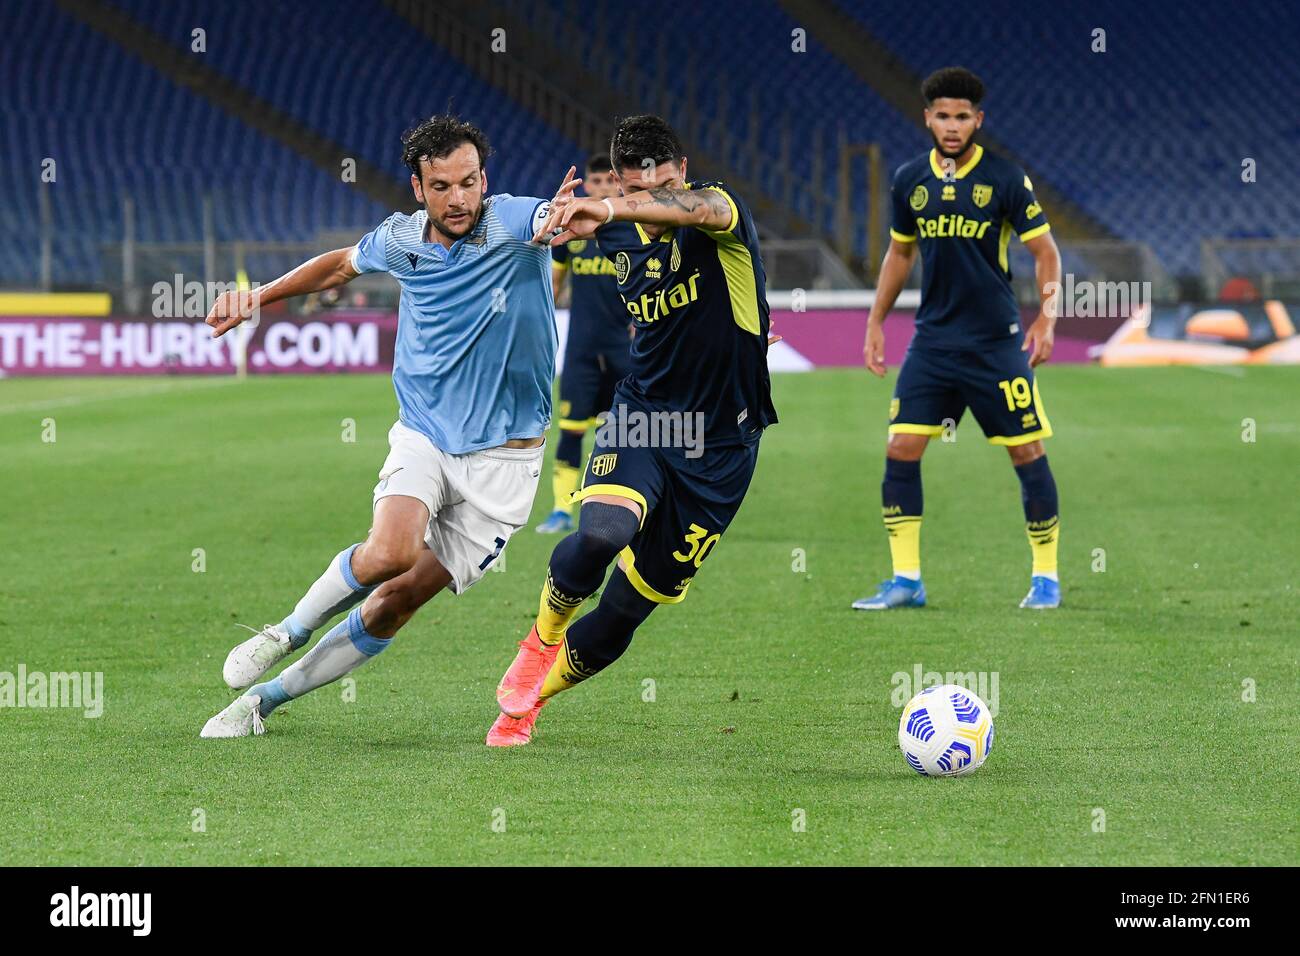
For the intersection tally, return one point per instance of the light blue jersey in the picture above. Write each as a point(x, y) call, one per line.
point(476, 332)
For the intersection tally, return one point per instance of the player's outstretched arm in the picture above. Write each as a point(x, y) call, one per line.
point(1047, 273)
point(315, 275)
point(893, 274)
point(660, 206)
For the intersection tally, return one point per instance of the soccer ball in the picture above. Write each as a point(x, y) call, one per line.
point(945, 731)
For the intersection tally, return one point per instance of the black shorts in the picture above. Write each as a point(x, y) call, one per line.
point(686, 505)
point(936, 386)
point(587, 383)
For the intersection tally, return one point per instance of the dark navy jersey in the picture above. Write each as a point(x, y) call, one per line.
point(698, 299)
point(964, 221)
point(597, 319)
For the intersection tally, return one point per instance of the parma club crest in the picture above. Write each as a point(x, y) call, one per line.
point(602, 465)
point(920, 196)
point(981, 195)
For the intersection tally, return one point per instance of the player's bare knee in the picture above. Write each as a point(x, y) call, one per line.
point(905, 447)
point(1024, 454)
point(383, 559)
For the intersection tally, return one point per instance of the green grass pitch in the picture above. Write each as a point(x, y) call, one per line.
point(770, 695)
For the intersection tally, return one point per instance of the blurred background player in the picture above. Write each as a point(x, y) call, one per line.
point(596, 353)
point(688, 268)
point(960, 205)
point(473, 385)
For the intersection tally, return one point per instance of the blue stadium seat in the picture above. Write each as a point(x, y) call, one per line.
point(1149, 136)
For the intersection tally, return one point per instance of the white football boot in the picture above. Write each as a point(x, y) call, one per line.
point(241, 718)
point(257, 655)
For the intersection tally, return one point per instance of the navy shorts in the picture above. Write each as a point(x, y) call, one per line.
point(587, 383)
point(936, 386)
point(686, 505)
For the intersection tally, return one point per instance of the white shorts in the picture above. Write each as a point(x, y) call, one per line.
point(475, 501)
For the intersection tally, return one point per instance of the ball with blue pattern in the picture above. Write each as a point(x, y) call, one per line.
point(945, 731)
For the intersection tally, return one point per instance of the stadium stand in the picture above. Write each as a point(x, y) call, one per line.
point(319, 79)
point(115, 126)
point(1153, 174)
point(751, 62)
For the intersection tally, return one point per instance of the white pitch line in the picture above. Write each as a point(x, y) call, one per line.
point(152, 389)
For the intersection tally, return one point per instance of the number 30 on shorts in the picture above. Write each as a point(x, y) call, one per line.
point(1017, 392)
point(698, 545)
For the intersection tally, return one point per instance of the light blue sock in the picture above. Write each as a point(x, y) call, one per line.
point(272, 693)
point(335, 591)
point(298, 635)
point(345, 648)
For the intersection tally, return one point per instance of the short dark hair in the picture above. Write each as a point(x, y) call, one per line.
point(438, 136)
point(638, 138)
point(599, 163)
point(953, 82)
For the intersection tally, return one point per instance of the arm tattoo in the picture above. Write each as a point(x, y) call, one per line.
point(685, 199)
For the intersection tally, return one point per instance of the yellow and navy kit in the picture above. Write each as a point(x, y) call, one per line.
point(935, 387)
point(963, 219)
point(597, 318)
point(597, 350)
point(698, 300)
point(686, 505)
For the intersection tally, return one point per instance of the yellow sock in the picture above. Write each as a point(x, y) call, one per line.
point(555, 612)
point(564, 673)
point(564, 482)
point(905, 544)
point(1043, 537)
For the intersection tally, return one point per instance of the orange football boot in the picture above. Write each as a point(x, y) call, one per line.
point(511, 731)
point(519, 688)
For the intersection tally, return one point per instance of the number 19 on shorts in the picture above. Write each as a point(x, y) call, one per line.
point(1017, 393)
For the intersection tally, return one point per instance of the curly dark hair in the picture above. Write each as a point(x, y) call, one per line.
point(954, 82)
point(598, 163)
point(638, 138)
point(438, 136)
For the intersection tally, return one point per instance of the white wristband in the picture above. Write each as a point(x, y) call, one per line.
point(610, 206)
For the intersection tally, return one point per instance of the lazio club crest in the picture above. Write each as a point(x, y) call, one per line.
point(602, 465)
point(981, 195)
point(920, 196)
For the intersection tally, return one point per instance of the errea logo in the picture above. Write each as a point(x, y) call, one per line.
point(653, 268)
